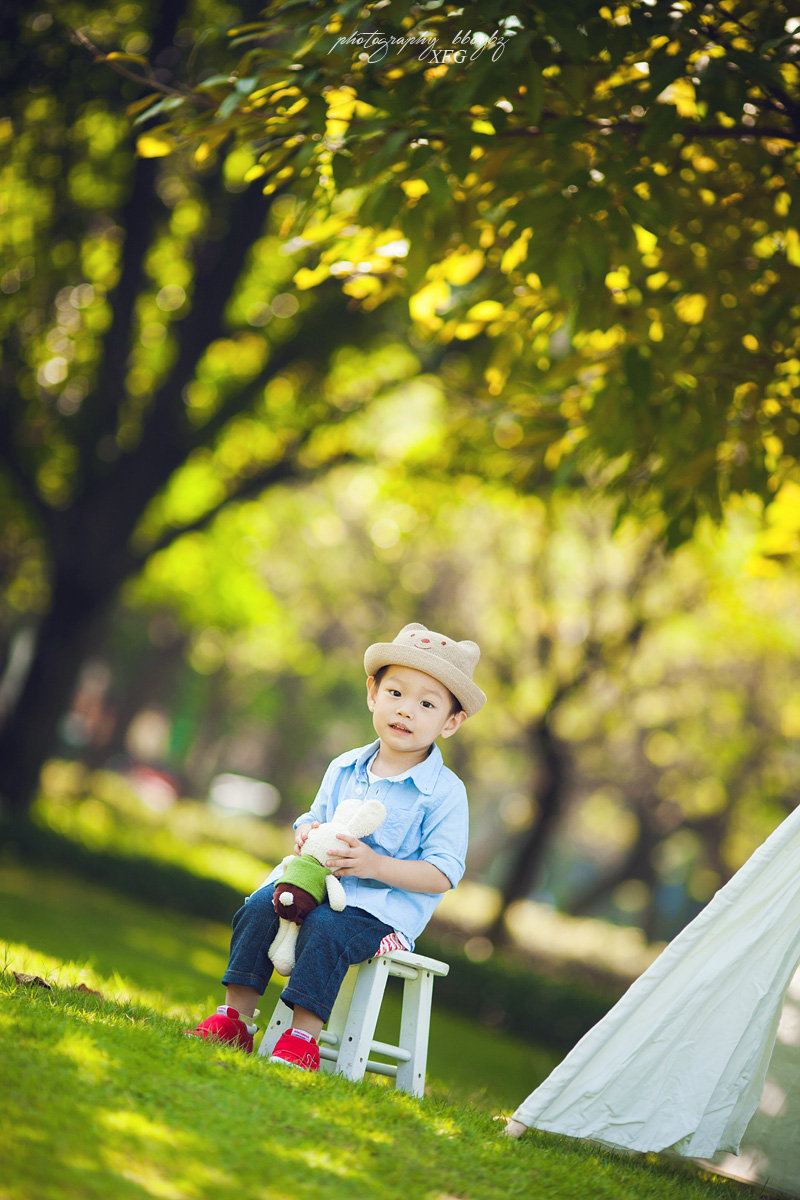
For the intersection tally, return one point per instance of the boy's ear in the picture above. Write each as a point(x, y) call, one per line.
point(453, 722)
point(371, 692)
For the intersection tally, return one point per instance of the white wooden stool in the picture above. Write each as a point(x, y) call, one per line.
point(348, 1040)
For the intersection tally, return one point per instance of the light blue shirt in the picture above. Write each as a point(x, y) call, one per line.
point(426, 819)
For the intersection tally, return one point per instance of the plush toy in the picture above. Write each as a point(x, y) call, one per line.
point(306, 880)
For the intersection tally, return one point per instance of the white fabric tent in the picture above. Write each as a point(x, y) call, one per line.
point(701, 1055)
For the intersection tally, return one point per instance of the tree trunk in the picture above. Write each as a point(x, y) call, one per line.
point(637, 866)
point(31, 728)
point(550, 794)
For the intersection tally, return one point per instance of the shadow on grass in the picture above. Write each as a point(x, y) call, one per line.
point(182, 959)
point(135, 1111)
point(66, 919)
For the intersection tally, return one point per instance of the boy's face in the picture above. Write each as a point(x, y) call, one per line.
point(410, 710)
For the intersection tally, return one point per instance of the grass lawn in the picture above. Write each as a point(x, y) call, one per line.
point(103, 1096)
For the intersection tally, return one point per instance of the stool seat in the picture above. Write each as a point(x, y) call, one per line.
point(348, 1039)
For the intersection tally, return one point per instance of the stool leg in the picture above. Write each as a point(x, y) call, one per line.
point(414, 1030)
point(338, 1018)
point(280, 1021)
point(359, 1029)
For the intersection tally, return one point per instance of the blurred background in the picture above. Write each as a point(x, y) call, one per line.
point(243, 436)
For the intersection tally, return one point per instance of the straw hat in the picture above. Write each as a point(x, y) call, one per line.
point(452, 663)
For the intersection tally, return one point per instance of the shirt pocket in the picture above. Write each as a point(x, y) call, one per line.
point(400, 834)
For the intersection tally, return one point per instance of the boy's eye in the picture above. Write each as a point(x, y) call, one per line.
point(427, 704)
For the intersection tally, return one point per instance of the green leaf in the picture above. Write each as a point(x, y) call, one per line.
point(214, 81)
point(229, 104)
point(119, 56)
point(638, 372)
point(535, 94)
point(166, 105)
point(342, 167)
point(437, 182)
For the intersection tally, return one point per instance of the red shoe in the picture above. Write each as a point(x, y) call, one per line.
point(296, 1048)
point(226, 1026)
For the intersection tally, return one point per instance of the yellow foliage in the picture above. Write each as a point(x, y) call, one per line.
point(792, 244)
point(465, 330)
point(773, 445)
point(681, 94)
point(414, 188)
point(790, 719)
point(619, 278)
point(361, 286)
point(495, 377)
point(765, 246)
point(486, 310)
point(341, 102)
point(342, 107)
point(556, 451)
point(785, 508)
point(151, 145)
point(745, 393)
point(425, 304)
point(599, 341)
point(782, 537)
point(645, 240)
point(516, 252)
point(306, 278)
point(461, 268)
point(691, 308)
point(656, 281)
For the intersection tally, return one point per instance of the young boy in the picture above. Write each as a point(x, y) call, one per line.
point(419, 688)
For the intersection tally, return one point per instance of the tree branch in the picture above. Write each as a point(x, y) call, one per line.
point(286, 470)
point(789, 106)
point(686, 129)
point(21, 474)
point(99, 413)
point(147, 80)
point(20, 477)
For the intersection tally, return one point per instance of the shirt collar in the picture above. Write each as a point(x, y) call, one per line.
point(423, 775)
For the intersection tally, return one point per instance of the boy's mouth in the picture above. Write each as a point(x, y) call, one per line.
point(400, 728)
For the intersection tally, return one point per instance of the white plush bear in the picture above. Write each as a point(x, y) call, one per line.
point(306, 880)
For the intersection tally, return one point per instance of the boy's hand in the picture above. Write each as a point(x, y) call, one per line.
point(301, 833)
point(354, 858)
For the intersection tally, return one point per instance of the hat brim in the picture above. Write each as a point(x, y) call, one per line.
point(390, 654)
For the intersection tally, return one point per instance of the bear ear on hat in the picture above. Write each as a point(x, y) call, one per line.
point(472, 651)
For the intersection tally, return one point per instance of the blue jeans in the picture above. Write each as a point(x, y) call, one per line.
point(328, 943)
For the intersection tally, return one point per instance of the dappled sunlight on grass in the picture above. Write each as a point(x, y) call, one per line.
point(58, 916)
point(92, 1064)
point(129, 1153)
point(136, 1111)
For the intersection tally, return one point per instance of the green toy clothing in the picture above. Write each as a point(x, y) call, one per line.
point(307, 873)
